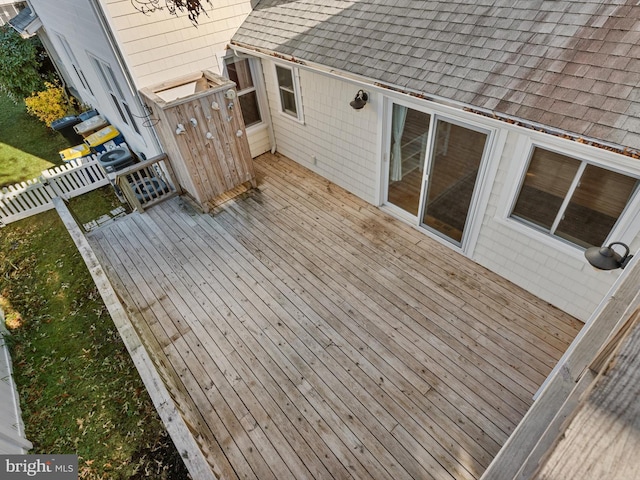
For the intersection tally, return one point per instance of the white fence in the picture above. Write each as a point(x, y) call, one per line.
point(34, 196)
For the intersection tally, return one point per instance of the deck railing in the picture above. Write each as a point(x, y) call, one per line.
point(141, 185)
point(146, 183)
point(35, 196)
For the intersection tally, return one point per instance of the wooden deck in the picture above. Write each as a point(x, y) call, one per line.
point(317, 337)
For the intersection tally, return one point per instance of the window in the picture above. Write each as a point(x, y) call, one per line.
point(239, 70)
point(115, 92)
point(572, 199)
point(74, 63)
point(289, 92)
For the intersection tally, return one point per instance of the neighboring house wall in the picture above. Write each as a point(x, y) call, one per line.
point(75, 32)
point(349, 149)
point(159, 46)
point(333, 140)
point(151, 49)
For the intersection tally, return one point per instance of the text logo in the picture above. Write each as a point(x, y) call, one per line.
point(49, 467)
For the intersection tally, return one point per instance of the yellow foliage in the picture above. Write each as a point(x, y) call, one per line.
point(50, 104)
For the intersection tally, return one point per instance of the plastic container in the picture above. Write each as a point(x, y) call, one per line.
point(87, 115)
point(73, 153)
point(64, 126)
point(104, 139)
point(91, 125)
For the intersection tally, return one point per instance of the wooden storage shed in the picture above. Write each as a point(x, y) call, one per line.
point(200, 127)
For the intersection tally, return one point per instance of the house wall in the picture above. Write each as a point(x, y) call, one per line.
point(334, 141)
point(347, 145)
point(550, 269)
point(258, 138)
point(78, 23)
point(159, 46)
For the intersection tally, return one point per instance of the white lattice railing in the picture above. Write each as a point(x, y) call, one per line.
point(66, 181)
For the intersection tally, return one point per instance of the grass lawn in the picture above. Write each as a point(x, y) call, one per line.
point(79, 390)
point(27, 146)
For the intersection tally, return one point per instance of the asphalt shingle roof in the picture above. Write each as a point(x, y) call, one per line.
point(571, 65)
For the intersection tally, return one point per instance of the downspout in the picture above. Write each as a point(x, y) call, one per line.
point(104, 22)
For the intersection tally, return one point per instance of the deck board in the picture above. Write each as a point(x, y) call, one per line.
point(320, 338)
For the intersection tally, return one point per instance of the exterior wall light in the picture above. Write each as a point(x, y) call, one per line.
point(606, 258)
point(360, 101)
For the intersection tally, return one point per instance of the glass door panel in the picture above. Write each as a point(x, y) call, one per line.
point(450, 183)
point(409, 133)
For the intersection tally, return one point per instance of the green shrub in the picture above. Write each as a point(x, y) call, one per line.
point(50, 104)
point(20, 64)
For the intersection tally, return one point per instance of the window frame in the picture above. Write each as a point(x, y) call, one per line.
point(74, 63)
point(297, 93)
point(626, 227)
point(249, 90)
point(114, 91)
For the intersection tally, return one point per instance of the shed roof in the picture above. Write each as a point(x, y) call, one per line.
point(573, 66)
point(26, 22)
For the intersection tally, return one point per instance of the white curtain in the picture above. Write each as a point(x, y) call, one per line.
point(397, 127)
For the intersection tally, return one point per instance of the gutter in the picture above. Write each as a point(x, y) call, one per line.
point(377, 85)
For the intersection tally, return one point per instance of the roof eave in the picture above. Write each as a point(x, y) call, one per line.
point(26, 23)
point(366, 81)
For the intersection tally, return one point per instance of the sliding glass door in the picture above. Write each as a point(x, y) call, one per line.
point(409, 134)
point(451, 179)
point(433, 170)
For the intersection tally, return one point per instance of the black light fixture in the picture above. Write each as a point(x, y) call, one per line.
point(360, 101)
point(606, 258)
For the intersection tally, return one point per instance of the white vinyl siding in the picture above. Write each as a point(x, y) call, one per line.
point(74, 63)
point(335, 140)
point(159, 46)
point(109, 81)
